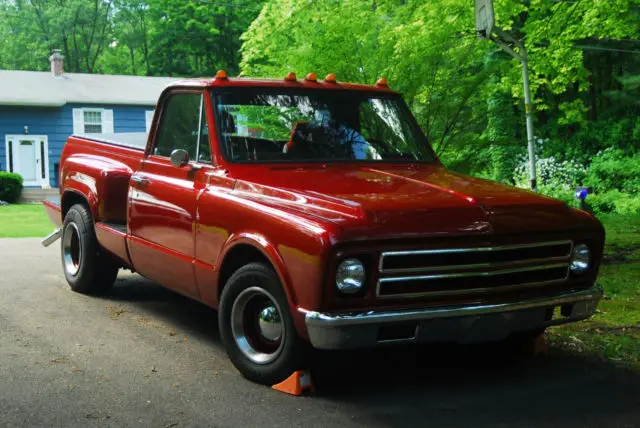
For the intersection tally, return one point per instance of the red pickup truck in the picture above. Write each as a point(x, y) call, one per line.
point(315, 214)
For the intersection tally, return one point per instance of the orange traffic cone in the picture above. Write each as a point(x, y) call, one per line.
point(296, 384)
point(540, 346)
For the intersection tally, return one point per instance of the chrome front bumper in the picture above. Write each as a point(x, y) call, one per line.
point(462, 324)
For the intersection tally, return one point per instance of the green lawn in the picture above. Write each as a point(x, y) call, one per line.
point(613, 333)
point(24, 220)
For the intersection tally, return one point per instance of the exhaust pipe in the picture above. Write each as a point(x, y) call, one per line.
point(52, 237)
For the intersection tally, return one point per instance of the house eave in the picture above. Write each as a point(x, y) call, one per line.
point(32, 103)
point(51, 103)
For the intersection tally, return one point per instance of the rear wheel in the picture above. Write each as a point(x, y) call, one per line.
point(256, 326)
point(87, 268)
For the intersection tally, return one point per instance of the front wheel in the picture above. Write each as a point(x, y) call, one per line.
point(87, 268)
point(256, 326)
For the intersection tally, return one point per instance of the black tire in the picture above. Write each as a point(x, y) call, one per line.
point(87, 268)
point(291, 350)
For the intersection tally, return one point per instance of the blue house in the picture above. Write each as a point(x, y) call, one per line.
point(39, 110)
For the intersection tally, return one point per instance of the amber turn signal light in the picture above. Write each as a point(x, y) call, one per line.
point(382, 82)
point(221, 74)
point(290, 77)
point(331, 78)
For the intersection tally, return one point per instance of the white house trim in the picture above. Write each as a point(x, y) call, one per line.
point(148, 119)
point(41, 157)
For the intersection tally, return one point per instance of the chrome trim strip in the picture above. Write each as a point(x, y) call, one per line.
point(471, 274)
point(479, 290)
point(468, 274)
point(475, 266)
point(472, 250)
point(52, 237)
point(327, 320)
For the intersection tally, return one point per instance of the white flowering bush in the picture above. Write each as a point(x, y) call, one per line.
point(560, 175)
point(613, 175)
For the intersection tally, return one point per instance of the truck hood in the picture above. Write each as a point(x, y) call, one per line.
point(405, 201)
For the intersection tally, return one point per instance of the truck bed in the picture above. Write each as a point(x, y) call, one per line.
point(131, 140)
point(52, 208)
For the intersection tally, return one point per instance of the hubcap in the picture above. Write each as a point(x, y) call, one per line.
point(71, 249)
point(256, 324)
point(270, 323)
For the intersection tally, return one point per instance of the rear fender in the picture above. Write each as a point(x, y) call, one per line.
point(102, 182)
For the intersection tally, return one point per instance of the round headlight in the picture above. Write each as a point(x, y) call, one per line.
point(581, 258)
point(350, 276)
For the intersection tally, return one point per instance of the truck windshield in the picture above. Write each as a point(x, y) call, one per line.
point(280, 125)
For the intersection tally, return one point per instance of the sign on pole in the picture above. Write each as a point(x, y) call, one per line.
point(484, 18)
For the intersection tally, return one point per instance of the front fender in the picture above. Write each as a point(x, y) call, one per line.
point(270, 251)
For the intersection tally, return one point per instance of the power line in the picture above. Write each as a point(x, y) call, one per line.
point(600, 48)
point(232, 5)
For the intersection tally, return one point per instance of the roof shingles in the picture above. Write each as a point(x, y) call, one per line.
point(38, 88)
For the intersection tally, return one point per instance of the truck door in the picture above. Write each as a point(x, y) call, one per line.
point(163, 197)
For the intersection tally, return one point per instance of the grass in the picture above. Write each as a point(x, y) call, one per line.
point(23, 221)
point(614, 332)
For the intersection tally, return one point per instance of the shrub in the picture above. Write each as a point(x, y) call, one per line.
point(10, 186)
point(560, 176)
point(614, 202)
point(612, 169)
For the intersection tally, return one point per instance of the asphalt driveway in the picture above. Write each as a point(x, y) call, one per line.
point(144, 356)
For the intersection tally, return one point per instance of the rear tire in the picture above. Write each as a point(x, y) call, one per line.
point(256, 326)
point(87, 268)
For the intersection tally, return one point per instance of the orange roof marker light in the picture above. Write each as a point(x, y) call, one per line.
point(382, 82)
point(331, 78)
point(311, 77)
point(290, 77)
point(222, 75)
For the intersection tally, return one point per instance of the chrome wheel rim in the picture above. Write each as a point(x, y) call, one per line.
point(256, 324)
point(71, 249)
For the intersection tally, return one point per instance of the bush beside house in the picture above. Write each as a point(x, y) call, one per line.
point(10, 186)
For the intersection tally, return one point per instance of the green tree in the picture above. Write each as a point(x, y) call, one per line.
point(32, 28)
point(465, 92)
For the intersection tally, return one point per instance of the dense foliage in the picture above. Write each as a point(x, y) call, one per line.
point(10, 186)
point(467, 93)
point(144, 37)
point(584, 63)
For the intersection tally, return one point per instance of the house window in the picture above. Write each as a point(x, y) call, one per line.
point(92, 121)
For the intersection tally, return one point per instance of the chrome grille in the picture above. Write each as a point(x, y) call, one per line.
point(453, 271)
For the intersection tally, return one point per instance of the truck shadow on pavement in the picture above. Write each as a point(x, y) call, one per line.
point(471, 385)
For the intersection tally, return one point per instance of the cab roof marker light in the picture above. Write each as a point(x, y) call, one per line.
point(221, 75)
point(331, 78)
point(290, 77)
point(382, 82)
point(311, 77)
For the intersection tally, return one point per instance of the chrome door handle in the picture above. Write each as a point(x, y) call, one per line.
point(140, 180)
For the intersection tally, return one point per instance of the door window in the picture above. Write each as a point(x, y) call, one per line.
point(183, 125)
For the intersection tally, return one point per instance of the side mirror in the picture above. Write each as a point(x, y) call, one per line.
point(179, 158)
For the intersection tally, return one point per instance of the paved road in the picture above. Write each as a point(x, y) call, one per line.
point(144, 356)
